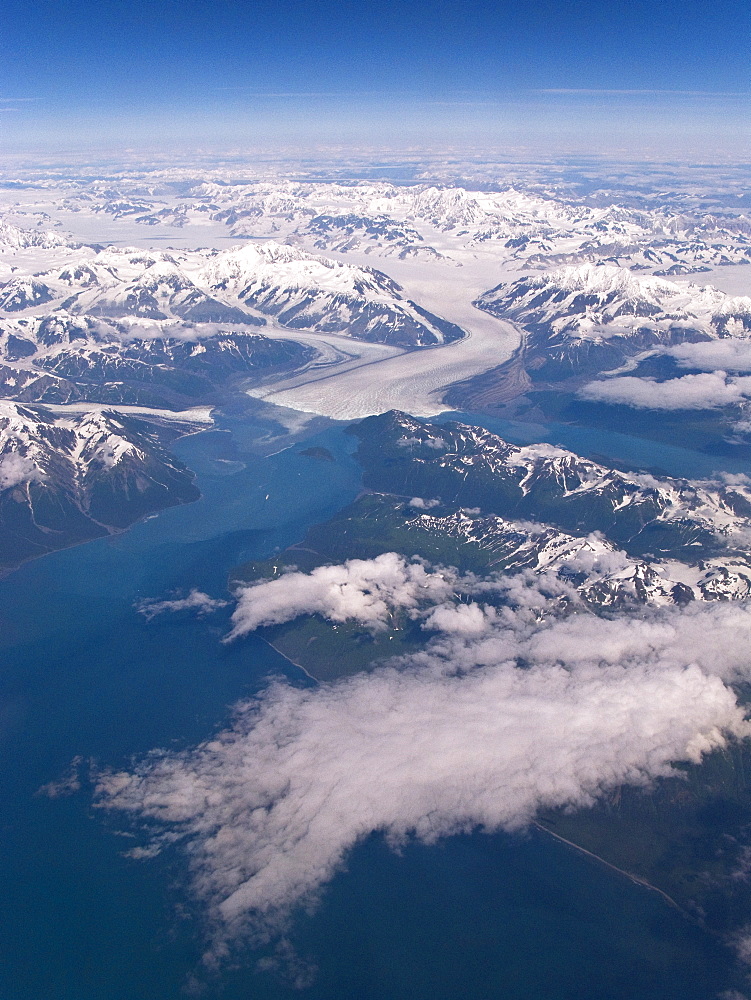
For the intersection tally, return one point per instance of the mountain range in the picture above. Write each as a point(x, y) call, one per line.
point(170, 328)
point(469, 467)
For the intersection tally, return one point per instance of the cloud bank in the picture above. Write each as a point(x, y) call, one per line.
point(689, 392)
point(457, 737)
point(730, 354)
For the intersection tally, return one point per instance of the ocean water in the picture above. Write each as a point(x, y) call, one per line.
point(83, 675)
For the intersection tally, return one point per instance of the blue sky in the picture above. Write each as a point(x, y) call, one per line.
point(223, 72)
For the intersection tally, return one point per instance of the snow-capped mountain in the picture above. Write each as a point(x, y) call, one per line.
point(62, 358)
point(372, 235)
point(125, 325)
point(604, 577)
point(471, 467)
point(531, 225)
point(663, 258)
point(240, 286)
point(68, 478)
point(591, 318)
point(480, 215)
point(83, 321)
point(382, 216)
point(592, 302)
point(304, 291)
point(14, 238)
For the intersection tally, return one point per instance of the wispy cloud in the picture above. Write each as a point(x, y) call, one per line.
point(196, 601)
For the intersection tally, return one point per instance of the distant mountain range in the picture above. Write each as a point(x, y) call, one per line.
point(541, 227)
point(17, 238)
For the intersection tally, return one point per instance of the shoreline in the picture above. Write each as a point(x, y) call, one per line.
point(637, 879)
point(111, 531)
point(299, 666)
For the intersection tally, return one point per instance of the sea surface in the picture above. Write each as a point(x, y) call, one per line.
point(85, 677)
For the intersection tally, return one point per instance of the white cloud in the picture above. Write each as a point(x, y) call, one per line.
point(728, 354)
point(15, 469)
point(689, 392)
point(363, 590)
point(460, 619)
point(535, 452)
point(437, 444)
point(195, 601)
point(456, 737)
point(422, 504)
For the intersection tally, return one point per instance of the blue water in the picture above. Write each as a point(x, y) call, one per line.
point(625, 449)
point(84, 675)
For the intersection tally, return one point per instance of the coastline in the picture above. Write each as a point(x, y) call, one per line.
point(110, 532)
point(299, 666)
point(621, 871)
